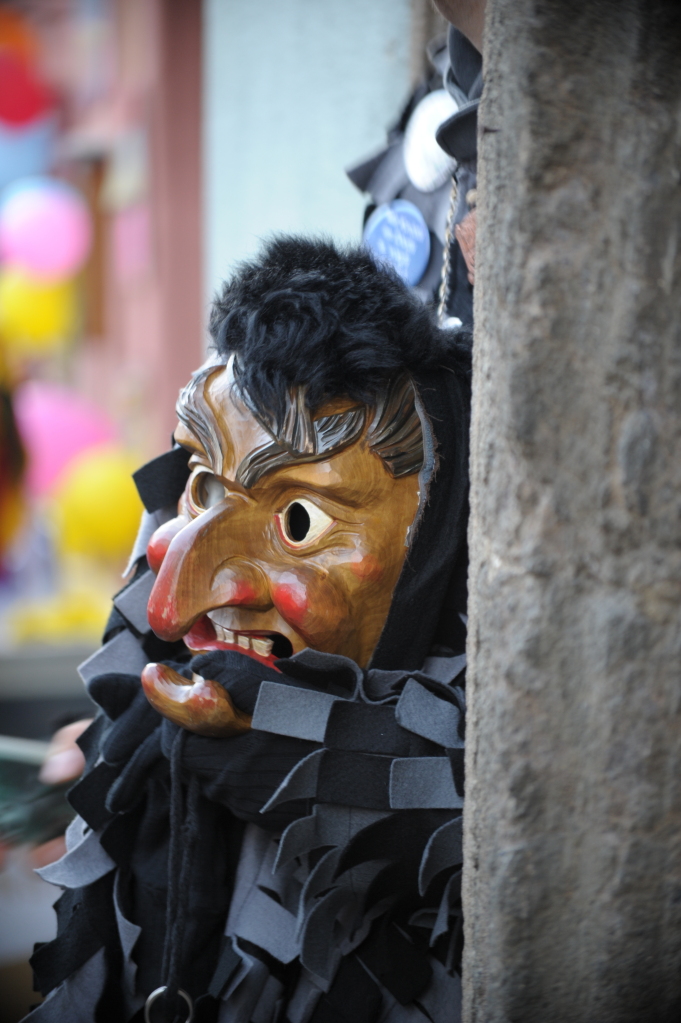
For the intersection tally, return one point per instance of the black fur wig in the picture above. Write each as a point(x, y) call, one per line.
point(306, 313)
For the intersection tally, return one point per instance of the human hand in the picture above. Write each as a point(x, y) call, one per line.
point(64, 762)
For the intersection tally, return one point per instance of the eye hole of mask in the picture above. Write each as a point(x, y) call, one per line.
point(207, 491)
point(303, 522)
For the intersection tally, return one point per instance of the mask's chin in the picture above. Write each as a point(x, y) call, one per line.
point(265, 647)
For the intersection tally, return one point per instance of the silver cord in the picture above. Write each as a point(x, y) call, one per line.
point(446, 259)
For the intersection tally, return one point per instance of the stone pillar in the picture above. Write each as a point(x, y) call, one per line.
point(572, 888)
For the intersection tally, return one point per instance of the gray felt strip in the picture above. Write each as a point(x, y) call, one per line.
point(423, 918)
point(76, 832)
point(123, 654)
point(149, 524)
point(304, 999)
point(266, 1009)
point(75, 1001)
point(442, 997)
point(85, 863)
point(299, 837)
point(268, 925)
point(243, 990)
point(444, 849)
point(300, 782)
point(242, 971)
point(132, 602)
point(423, 783)
point(327, 825)
point(336, 825)
point(283, 882)
point(422, 712)
point(354, 881)
point(286, 710)
point(318, 951)
point(442, 919)
point(254, 850)
point(319, 878)
point(322, 932)
point(444, 669)
point(128, 934)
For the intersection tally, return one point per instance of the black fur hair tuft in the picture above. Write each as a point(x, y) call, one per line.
point(306, 313)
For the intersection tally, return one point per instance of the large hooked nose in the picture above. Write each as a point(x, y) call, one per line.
point(204, 567)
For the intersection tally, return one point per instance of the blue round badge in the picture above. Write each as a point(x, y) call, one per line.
point(397, 234)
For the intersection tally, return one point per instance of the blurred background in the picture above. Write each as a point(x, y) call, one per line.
point(145, 147)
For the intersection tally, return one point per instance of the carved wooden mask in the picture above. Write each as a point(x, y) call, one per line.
point(291, 533)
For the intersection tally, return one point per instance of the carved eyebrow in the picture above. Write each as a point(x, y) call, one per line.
point(324, 437)
point(395, 433)
point(197, 416)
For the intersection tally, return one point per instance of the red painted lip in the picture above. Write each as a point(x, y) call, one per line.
point(201, 638)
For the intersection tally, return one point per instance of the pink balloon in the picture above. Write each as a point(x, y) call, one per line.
point(44, 228)
point(55, 424)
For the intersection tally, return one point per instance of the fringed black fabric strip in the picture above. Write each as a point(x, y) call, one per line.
point(126, 790)
point(456, 759)
point(114, 692)
point(352, 998)
point(89, 740)
point(131, 729)
point(86, 923)
point(227, 965)
point(127, 795)
point(87, 796)
point(354, 779)
point(330, 673)
point(283, 972)
point(395, 960)
point(161, 481)
point(404, 832)
point(115, 624)
point(356, 727)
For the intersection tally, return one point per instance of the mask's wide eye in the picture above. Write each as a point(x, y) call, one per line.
point(302, 523)
point(206, 490)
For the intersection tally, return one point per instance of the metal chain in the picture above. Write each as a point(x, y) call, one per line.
point(446, 259)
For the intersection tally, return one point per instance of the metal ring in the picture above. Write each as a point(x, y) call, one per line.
point(157, 994)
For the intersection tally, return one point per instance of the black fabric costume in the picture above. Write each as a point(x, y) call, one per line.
point(309, 870)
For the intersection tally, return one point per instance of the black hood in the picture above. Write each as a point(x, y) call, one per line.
point(431, 592)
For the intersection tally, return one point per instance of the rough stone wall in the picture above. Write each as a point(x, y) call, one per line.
point(572, 881)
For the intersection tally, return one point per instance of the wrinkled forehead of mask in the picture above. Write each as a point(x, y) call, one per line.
point(297, 433)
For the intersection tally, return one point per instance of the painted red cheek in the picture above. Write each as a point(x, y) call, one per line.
point(368, 568)
point(242, 593)
point(157, 548)
point(290, 597)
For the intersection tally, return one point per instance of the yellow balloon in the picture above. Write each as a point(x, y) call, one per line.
point(35, 318)
point(97, 508)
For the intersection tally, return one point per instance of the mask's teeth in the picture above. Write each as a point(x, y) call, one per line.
point(224, 635)
point(263, 646)
point(244, 642)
